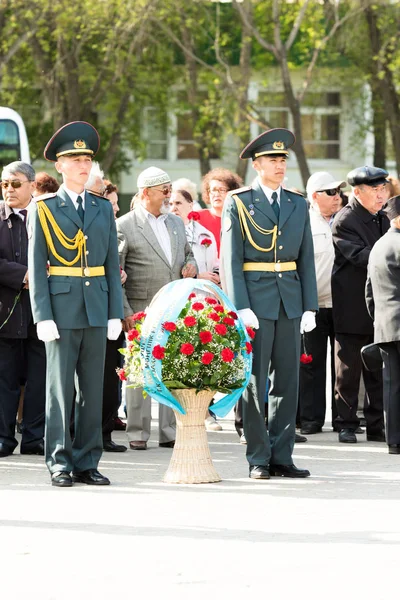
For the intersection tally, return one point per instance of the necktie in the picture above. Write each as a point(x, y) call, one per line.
point(275, 205)
point(80, 210)
point(23, 212)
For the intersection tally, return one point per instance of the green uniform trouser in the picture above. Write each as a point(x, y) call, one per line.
point(276, 355)
point(81, 351)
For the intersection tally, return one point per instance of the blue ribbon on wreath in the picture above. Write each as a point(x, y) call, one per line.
point(166, 306)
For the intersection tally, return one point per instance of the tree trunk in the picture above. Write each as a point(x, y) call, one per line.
point(379, 123)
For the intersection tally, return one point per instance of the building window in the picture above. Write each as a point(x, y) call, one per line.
point(186, 145)
point(156, 133)
point(320, 120)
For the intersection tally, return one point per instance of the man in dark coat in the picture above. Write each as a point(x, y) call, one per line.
point(355, 230)
point(383, 302)
point(22, 355)
point(268, 262)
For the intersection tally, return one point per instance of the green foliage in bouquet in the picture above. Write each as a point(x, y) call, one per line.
point(203, 351)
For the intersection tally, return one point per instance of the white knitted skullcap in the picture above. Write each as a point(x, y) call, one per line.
point(151, 177)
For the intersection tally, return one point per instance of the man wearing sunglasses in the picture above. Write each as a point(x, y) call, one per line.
point(355, 230)
point(323, 193)
point(22, 355)
point(153, 251)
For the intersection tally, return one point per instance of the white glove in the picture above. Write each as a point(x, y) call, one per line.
point(249, 318)
point(114, 328)
point(47, 331)
point(307, 322)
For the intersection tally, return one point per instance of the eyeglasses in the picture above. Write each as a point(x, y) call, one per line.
point(165, 190)
point(219, 190)
point(14, 183)
point(329, 192)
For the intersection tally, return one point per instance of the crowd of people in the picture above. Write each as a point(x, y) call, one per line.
point(73, 275)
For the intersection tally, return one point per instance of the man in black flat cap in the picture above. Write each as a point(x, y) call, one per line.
point(383, 301)
point(268, 262)
point(355, 230)
point(76, 300)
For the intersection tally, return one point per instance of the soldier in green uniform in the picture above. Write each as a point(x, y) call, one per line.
point(76, 300)
point(268, 263)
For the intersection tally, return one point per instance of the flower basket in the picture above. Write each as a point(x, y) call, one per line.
point(191, 459)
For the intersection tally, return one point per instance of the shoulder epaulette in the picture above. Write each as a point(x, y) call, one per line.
point(246, 188)
point(96, 194)
point(44, 197)
point(292, 191)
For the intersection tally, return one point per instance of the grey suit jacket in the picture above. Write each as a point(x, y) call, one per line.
point(143, 259)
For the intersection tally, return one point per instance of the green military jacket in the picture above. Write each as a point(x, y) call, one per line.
point(75, 302)
point(291, 240)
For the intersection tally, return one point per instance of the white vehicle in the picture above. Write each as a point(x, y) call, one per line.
point(13, 139)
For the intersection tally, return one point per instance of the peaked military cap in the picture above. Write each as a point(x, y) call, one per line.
point(273, 141)
point(392, 208)
point(73, 138)
point(367, 176)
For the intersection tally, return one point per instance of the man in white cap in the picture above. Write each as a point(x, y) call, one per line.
point(323, 192)
point(153, 251)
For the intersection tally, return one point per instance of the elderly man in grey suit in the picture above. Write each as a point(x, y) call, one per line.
point(153, 251)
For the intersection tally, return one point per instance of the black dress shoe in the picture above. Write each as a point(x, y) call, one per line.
point(119, 425)
point(258, 472)
point(38, 449)
point(376, 436)
point(91, 477)
point(167, 444)
point(110, 446)
point(347, 436)
point(299, 439)
point(4, 450)
point(61, 479)
point(310, 428)
point(394, 448)
point(288, 471)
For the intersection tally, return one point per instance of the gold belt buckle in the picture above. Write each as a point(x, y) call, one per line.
point(86, 272)
point(277, 267)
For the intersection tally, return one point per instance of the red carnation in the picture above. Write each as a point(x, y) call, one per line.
point(227, 355)
point(206, 242)
point(139, 316)
point(122, 375)
point(193, 216)
point(251, 333)
point(249, 348)
point(187, 349)
point(207, 358)
point(205, 337)
point(169, 326)
point(210, 300)
point(233, 315)
point(192, 295)
point(189, 321)
point(133, 334)
point(228, 321)
point(158, 352)
point(221, 329)
point(305, 359)
point(197, 306)
point(213, 316)
point(219, 308)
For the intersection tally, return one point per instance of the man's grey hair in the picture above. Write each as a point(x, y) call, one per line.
point(19, 167)
point(95, 172)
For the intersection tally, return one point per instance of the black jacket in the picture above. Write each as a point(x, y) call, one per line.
point(355, 230)
point(13, 266)
point(383, 287)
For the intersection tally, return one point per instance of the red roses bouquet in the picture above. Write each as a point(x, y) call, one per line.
point(203, 349)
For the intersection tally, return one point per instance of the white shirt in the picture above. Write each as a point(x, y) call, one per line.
point(159, 227)
point(206, 257)
point(17, 211)
point(74, 197)
point(324, 255)
point(268, 192)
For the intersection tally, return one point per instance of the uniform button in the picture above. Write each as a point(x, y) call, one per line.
point(86, 237)
point(87, 282)
point(280, 275)
point(87, 251)
point(278, 261)
point(280, 247)
point(17, 254)
point(279, 232)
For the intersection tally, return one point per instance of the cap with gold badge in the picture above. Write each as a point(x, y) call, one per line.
point(273, 141)
point(73, 138)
